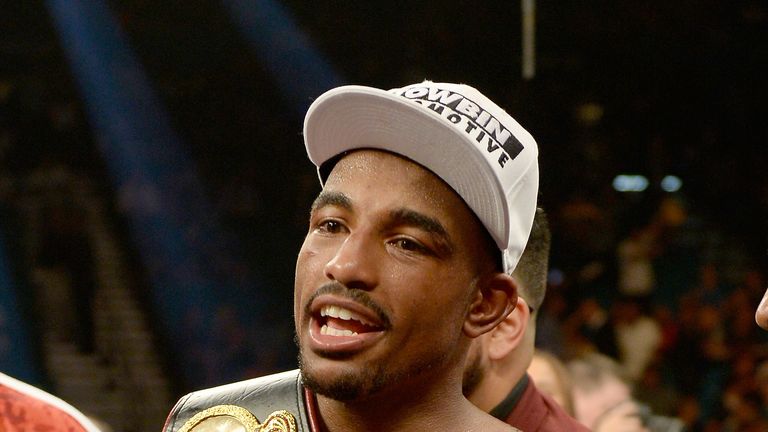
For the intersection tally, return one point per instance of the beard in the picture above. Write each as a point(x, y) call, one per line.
point(344, 387)
point(354, 385)
point(473, 373)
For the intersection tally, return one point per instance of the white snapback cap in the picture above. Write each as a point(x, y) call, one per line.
point(452, 130)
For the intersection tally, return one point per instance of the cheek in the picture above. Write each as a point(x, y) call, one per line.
point(307, 267)
point(451, 292)
point(437, 300)
point(308, 261)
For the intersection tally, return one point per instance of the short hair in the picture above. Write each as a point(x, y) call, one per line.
point(592, 370)
point(532, 269)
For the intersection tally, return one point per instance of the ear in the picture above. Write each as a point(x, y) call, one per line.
point(510, 332)
point(494, 300)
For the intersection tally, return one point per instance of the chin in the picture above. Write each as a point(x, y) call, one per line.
point(337, 381)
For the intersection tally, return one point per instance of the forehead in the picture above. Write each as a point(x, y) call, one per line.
point(379, 181)
point(610, 392)
point(378, 172)
point(367, 160)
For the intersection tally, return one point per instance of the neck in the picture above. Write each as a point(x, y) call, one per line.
point(490, 391)
point(430, 404)
point(502, 375)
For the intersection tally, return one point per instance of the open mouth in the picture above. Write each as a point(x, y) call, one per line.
point(338, 321)
point(341, 326)
point(343, 322)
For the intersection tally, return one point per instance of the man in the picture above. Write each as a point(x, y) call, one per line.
point(495, 378)
point(27, 408)
point(602, 398)
point(428, 198)
point(551, 377)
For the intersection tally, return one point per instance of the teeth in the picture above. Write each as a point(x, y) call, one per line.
point(325, 330)
point(342, 313)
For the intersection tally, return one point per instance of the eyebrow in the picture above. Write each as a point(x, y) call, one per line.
point(426, 223)
point(332, 198)
point(400, 216)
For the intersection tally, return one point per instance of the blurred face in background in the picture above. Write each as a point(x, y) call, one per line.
point(591, 405)
point(550, 381)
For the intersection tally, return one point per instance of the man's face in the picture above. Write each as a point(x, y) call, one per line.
point(384, 278)
point(590, 405)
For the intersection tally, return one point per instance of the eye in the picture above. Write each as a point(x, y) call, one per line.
point(410, 245)
point(330, 226)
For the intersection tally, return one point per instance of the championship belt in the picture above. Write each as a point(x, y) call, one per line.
point(274, 403)
point(232, 418)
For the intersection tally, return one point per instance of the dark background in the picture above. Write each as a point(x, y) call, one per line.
point(622, 87)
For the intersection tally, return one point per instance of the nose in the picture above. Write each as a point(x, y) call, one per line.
point(354, 264)
point(761, 316)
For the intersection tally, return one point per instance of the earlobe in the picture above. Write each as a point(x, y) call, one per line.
point(495, 299)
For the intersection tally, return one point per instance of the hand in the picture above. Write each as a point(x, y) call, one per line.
point(624, 417)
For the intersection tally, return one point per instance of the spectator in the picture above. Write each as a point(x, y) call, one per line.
point(638, 335)
point(552, 378)
point(634, 253)
point(495, 377)
point(603, 399)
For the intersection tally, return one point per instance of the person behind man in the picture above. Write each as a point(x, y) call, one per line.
point(495, 378)
point(429, 194)
point(602, 398)
point(24, 407)
point(551, 377)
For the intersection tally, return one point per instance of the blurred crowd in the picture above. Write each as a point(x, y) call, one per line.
point(664, 284)
point(671, 299)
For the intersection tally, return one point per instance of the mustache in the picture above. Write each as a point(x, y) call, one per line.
point(357, 295)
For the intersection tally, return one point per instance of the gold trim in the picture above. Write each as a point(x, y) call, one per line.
point(278, 421)
point(240, 414)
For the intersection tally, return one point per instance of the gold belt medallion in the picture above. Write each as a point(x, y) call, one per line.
point(231, 418)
